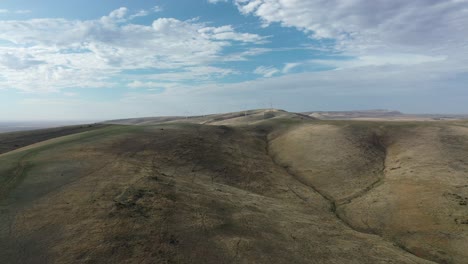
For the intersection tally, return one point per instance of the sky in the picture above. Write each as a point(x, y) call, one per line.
point(109, 59)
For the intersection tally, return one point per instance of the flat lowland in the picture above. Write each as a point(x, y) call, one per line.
point(261, 186)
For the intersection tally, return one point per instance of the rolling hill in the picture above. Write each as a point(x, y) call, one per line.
point(260, 186)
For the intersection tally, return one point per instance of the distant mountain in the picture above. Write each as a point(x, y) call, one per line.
point(377, 113)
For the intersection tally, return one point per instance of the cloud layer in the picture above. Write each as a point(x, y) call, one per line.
point(51, 54)
point(376, 33)
point(367, 25)
point(364, 54)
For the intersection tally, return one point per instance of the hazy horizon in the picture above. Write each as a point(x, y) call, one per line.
point(45, 123)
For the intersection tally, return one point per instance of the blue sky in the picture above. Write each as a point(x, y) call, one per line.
point(96, 60)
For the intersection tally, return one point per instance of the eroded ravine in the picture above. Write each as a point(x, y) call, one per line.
point(334, 204)
point(382, 148)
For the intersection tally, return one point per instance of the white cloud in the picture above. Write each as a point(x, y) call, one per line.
point(195, 74)
point(21, 12)
point(360, 26)
point(228, 33)
point(379, 60)
point(216, 1)
point(141, 13)
point(266, 71)
point(152, 85)
point(19, 62)
point(244, 55)
point(119, 13)
point(52, 54)
point(116, 16)
point(289, 66)
point(157, 9)
point(430, 36)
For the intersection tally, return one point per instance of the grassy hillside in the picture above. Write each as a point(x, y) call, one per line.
point(259, 188)
point(406, 182)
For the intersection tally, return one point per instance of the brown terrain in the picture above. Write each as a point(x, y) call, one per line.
point(260, 186)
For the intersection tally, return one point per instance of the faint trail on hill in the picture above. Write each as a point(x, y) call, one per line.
point(333, 202)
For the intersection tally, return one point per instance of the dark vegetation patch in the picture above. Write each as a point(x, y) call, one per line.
point(460, 200)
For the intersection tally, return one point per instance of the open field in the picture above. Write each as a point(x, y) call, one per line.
point(253, 187)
